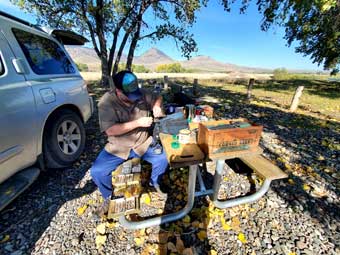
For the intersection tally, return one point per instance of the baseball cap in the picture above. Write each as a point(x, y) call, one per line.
point(128, 83)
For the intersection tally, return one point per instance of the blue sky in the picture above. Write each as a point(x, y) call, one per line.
point(228, 37)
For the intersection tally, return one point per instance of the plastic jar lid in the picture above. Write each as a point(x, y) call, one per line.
point(175, 145)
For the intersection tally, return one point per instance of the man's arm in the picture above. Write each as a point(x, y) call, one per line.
point(123, 128)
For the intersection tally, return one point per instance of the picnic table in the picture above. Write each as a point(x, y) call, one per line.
point(190, 155)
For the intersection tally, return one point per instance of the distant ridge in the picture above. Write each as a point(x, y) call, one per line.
point(154, 57)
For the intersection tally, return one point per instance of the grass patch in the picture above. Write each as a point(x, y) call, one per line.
point(319, 97)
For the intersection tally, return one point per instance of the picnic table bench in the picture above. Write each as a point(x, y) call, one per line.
point(190, 155)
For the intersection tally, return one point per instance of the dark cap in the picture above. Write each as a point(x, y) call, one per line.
point(128, 83)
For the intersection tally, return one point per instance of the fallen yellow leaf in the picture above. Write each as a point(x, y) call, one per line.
point(146, 199)
point(225, 225)
point(81, 210)
point(186, 219)
point(202, 235)
point(242, 238)
point(112, 224)
point(91, 202)
point(306, 187)
point(5, 239)
point(291, 181)
point(213, 252)
point(292, 253)
point(235, 224)
point(100, 240)
point(101, 228)
point(195, 224)
point(139, 241)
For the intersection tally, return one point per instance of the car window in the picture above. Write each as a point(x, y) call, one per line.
point(43, 55)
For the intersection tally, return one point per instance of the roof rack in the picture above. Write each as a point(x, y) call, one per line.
point(17, 19)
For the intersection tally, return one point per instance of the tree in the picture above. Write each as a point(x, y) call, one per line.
point(314, 24)
point(113, 25)
point(280, 74)
point(82, 67)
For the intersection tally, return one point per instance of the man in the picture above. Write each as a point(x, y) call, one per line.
point(124, 117)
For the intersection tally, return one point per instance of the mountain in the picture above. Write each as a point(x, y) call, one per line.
point(154, 57)
point(87, 56)
point(205, 64)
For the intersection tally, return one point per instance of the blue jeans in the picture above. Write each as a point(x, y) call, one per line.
point(106, 163)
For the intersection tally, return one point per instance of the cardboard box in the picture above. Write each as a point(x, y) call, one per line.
point(218, 139)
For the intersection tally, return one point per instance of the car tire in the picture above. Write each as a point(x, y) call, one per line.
point(64, 139)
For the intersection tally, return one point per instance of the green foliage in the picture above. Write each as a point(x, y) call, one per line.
point(134, 68)
point(140, 69)
point(113, 25)
point(280, 74)
point(82, 67)
point(314, 24)
point(170, 68)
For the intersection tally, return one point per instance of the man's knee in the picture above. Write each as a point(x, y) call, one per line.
point(97, 170)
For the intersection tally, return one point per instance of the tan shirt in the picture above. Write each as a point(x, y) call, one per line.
point(112, 111)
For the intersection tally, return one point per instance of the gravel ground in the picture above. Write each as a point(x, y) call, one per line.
point(299, 215)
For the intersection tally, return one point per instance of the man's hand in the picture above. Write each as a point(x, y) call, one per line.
point(157, 111)
point(144, 122)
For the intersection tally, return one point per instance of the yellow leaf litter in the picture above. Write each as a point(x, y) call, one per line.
point(100, 240)
point(202, 235)
point(81, 210)
point(242, 238)
point(5, 239)
point(101, 228)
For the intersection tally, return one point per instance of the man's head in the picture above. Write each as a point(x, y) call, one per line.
point(127, 82)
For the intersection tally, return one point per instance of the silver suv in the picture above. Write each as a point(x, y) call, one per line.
point(44, 103)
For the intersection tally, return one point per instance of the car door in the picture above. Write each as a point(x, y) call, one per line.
point(18, 146)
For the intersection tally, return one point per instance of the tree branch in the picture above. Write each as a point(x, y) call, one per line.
point(91, 30)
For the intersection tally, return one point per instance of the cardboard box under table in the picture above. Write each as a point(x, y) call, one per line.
point(185, 155)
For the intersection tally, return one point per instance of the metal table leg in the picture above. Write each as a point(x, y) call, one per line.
point(235, 201)
point(169, 217)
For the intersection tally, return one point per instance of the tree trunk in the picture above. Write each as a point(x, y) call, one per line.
point(120, 51)
point(250, 88)
point(133, 45)
point(295, 100)
point(194, 88)
point(105, 73)
point(166, 82)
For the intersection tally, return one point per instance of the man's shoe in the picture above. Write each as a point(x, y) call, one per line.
point(102, 209)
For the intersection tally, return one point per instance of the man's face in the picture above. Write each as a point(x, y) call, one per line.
point(123, 97)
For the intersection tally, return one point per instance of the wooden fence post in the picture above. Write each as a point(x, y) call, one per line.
point(140, 84)
point(250, 87)
point(166, 82)
point(194, 87)
point(295, 100)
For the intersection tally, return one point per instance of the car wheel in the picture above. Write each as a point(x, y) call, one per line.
point(64, 139)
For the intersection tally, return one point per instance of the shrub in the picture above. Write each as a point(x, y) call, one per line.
point(135, 68)
point(140, 69)
point(82, 67)
point(170, 68)
point(281, 74)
